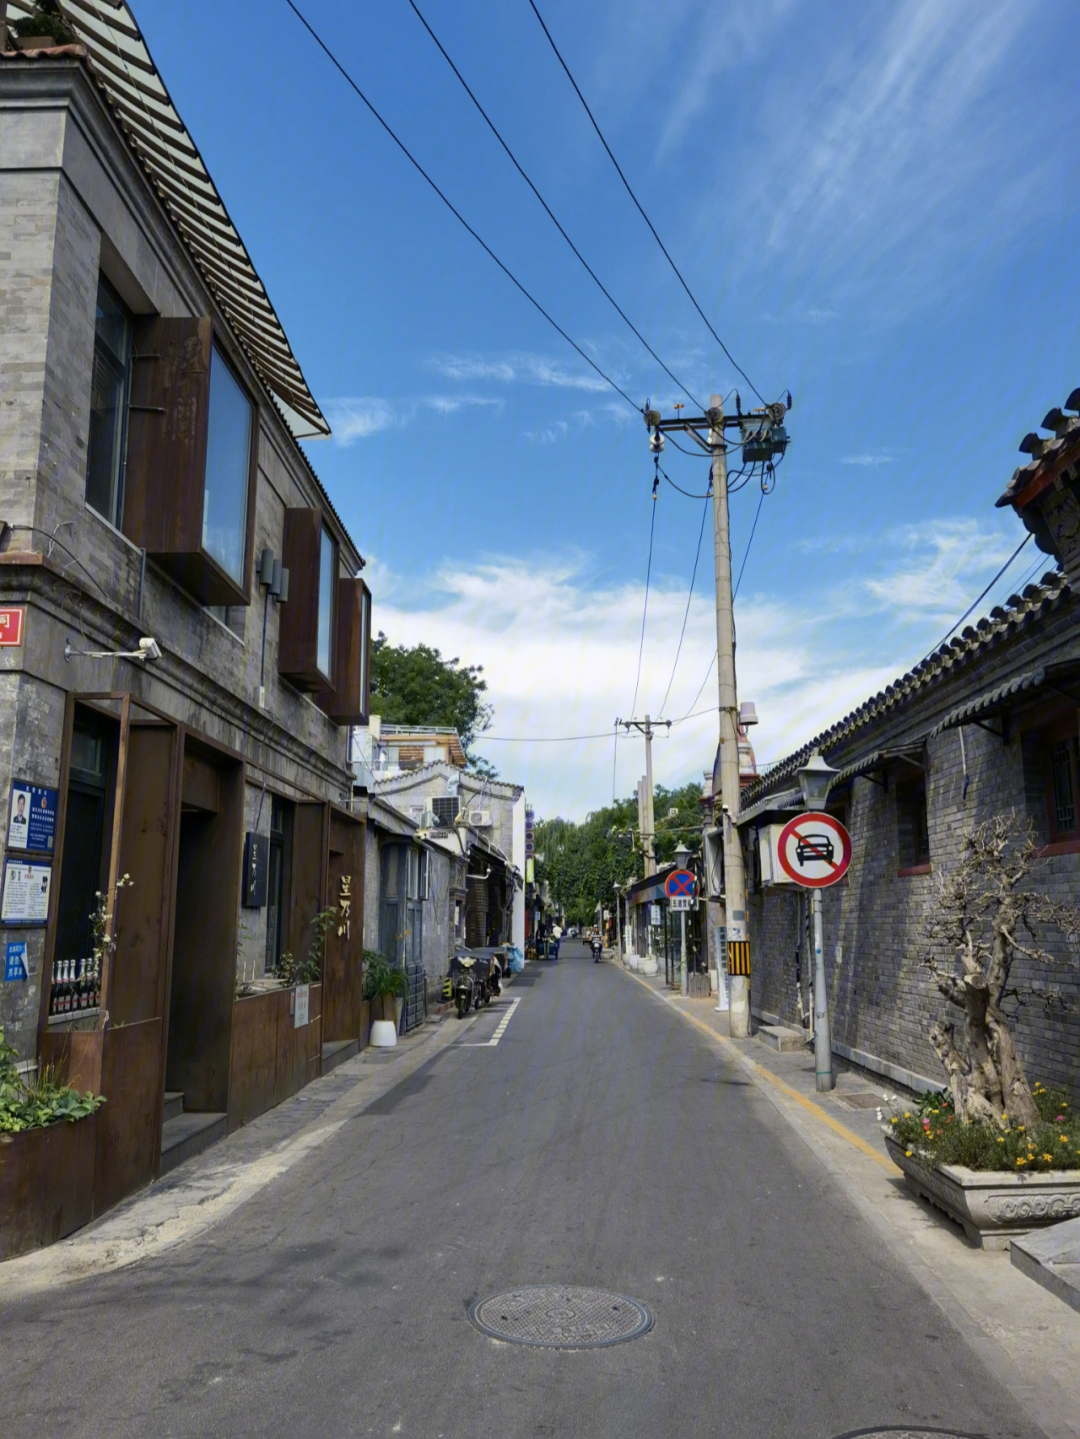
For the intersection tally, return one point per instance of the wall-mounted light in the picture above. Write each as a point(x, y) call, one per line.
point(148, 650)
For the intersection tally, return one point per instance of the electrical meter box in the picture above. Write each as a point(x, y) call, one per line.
point(768, 845)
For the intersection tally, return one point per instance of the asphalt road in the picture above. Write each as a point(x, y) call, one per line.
point(601, 1142)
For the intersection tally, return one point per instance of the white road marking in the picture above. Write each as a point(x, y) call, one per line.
point(493, 1041)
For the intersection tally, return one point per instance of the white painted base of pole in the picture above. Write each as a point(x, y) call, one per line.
point(739, 1023)
point(383, 1034)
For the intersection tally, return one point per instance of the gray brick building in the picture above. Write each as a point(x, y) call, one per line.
point(986, 724)
point(152, 488)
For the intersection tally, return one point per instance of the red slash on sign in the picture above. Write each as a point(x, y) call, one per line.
point(814, 850)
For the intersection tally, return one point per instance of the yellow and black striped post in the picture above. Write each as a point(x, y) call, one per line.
point(738, 956)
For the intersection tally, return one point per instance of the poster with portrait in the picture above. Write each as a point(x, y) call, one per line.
point(32, 817)
point(26, 892)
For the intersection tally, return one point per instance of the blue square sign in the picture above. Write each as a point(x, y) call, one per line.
point(15, 965)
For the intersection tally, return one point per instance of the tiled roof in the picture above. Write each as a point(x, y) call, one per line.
point(1050, 457)
point(1002, 623)
point(124, 69)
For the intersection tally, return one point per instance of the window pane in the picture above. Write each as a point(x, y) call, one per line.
point(1064, 800)
point(228, 456)
point(108, 405)
point(327, 569)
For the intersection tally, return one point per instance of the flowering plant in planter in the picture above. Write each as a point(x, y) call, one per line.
point(34, 1103)
point(930, 1130)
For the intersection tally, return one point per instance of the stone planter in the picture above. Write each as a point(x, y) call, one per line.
point(993, 1208)
point(46, 1184)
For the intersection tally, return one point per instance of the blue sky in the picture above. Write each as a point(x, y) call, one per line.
point(875, 204)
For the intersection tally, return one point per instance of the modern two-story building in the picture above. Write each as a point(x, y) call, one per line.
point(183, 630)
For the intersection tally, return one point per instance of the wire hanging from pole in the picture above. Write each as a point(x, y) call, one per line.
point(648, 577)
point(686, 612)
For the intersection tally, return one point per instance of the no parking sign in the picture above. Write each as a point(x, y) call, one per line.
point(814, 850)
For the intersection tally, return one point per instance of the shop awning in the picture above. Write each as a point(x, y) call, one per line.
point(126, 72)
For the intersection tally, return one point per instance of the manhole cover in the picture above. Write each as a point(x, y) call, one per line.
point(561, 1316)
point(907, 1434)
point(863, 1099)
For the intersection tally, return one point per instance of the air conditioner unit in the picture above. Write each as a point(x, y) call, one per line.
point(771, 870)
point(478, 818)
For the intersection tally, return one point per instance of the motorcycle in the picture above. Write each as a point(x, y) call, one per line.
point(462, 985)
point(597, 946)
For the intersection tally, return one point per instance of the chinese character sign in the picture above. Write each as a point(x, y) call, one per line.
point(345, 907)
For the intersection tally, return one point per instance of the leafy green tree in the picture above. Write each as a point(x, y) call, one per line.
point(582, 862)
point(414, 684)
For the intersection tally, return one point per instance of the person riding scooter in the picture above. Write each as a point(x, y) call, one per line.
point(596, 944)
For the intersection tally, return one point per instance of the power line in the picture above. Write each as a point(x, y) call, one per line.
point(689, 597)
point(640, 208)
point(985, 592)
point(547, 208)
point(689, 495)
point(749, 542)
point(645, 610)
point(456, 213)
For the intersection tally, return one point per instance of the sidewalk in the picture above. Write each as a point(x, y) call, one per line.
point(213, 1184)
point(1027, 1336)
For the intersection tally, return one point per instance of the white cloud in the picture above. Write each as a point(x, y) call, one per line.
point(560, 654)
point(868, 460)
point(518, 367)
point(359, 417)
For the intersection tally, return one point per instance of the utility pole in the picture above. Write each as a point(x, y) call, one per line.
point(763, 436)
point(648, 825)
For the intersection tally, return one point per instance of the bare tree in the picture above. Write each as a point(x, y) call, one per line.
point(983, 906)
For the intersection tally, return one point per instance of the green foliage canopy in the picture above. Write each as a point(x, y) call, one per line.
point(414, 684)
point(581, 863)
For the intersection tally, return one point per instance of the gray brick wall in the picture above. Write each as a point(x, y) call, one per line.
point(882, 997)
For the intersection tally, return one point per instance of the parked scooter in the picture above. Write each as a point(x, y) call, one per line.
point(462, 983)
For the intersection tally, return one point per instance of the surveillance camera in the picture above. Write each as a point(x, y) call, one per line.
point(724, 808)
point(149, 648)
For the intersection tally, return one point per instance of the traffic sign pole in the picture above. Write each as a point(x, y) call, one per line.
point(824, 1078)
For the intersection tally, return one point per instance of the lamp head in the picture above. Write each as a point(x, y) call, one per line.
point(682, 855)
point(815, 781)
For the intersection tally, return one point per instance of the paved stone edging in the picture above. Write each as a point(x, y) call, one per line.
point(214, 1184)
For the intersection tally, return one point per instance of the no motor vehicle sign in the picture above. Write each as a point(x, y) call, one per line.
point(814, 850)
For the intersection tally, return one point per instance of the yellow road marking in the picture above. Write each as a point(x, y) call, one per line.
point(807, 1104)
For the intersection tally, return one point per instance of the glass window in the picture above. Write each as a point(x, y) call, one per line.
point(108, 405)
point(228, 460)
point(327, 576)
point(413, 872)
point(1063, 771)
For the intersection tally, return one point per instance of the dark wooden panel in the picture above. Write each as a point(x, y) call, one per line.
point(202, 784)
point(165, 473)
point(46, 1184)
point(257, 1024)
point(141, 912)
point(75, 1054)
point(308, 889)
point(347, 701)
point(167, 434)
point(129, 1123)
point(343, 959)
point(204, 943)
point(298, 635)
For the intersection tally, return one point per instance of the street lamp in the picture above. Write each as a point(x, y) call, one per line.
point(815, 781)
point(682, 859)
point(618, 915)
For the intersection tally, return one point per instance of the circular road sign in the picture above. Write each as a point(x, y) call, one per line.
point(814, 850)
point(680, 884)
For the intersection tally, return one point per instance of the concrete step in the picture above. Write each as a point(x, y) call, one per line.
point(337, 1052)
point(1051, 1257)
point(174, 1104)
point(188, 1134)
point(780, 1037)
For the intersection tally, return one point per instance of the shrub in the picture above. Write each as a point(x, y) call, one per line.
point(381, 978)
point(930, 1130)
point(34, 1103)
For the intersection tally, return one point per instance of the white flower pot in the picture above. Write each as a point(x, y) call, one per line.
point(383, 1034)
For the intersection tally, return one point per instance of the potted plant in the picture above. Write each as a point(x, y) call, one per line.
point(383, 984)
point(43, 29)
point(998, 1155)
point(47, 1142)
